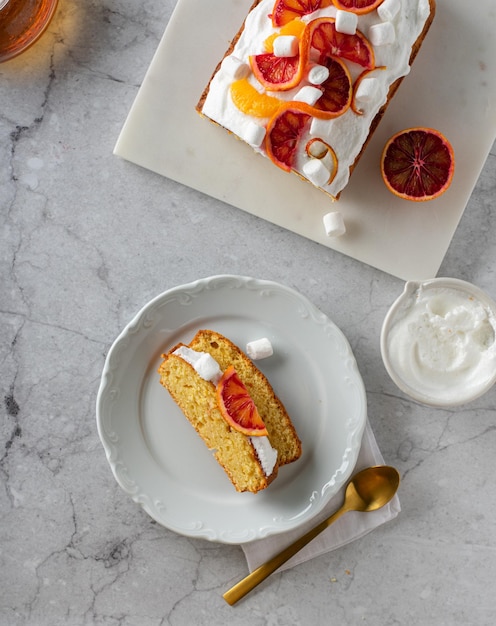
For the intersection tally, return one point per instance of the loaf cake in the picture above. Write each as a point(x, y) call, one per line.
point(191, 373)
point(307, 86)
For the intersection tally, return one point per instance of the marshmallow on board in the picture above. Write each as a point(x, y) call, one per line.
point(334, 224)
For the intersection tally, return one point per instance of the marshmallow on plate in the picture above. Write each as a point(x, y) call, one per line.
point(259, 349)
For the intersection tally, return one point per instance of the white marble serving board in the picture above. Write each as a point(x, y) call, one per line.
point(452, 87)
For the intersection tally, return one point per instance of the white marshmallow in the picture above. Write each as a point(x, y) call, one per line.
point(208, 368)
point(367, 90)
point(317, 74)
point(346, 22)
point(319, 128)
point(388, 10)
point(382, 34)
point(235, 68)
point(308, 94)
point(285, 46)
point(334, 224)
point(254, 134)
point(322, 151)
point(259, 349)
point(316, 172)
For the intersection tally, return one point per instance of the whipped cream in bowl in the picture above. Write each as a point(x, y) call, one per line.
point(438, 341)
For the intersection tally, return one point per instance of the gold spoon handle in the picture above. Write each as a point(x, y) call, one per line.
point(258, 575)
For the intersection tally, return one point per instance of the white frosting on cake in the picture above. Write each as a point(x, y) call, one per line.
point(347, 133)
point(203, 363)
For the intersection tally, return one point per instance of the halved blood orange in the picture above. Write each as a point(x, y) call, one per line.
point(236, 405)
point(283, 134)
point(337, 89)
point(357, 6)
point(251, 102)
point(418, 164)
point(276, 73)
point(286, 10)
point(325, 38)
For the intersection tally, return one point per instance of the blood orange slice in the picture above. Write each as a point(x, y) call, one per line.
point(286, 10)
point(357, 6)
point(337, 89)
point(325, 38)
point(283, 134)
point(236, 405)
point(276, 73)
point(418, 164)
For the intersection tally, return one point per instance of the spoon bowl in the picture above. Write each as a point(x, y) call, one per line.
point(372, 488)
point(368, 490)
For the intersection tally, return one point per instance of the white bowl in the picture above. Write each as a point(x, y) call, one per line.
point(433, 350)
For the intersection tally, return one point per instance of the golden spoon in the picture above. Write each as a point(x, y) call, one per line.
point(368, 490)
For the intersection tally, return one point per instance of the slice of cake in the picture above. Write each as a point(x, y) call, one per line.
point(191, 374)
point(306, 83)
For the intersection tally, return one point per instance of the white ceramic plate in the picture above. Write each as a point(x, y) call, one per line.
point(452, 87)
point(160, 461)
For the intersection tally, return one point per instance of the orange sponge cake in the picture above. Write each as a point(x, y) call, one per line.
point(306, 82)
point(191, 374)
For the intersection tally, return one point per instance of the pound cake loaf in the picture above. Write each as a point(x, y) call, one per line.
point(191, 372)
point(306, 82)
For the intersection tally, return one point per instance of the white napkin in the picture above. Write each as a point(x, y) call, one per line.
point(347, 528)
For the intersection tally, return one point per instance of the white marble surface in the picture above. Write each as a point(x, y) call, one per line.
point(86, 240)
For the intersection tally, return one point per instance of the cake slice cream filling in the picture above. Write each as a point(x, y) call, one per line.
point(392, 32)
point(207, 368)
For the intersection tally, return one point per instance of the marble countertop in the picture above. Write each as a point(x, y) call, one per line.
point(86, 240)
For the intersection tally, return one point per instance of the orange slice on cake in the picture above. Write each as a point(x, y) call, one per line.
point(294, 28)
point(418, 164)
point(283, 135)
point(357, 6)
point(285, 11)
point(325, 38)
point(277, 73)
point(237, 407)
point(251, 102)
point(337, 89)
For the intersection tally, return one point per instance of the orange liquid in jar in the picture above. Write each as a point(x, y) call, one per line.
point(21, 23)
